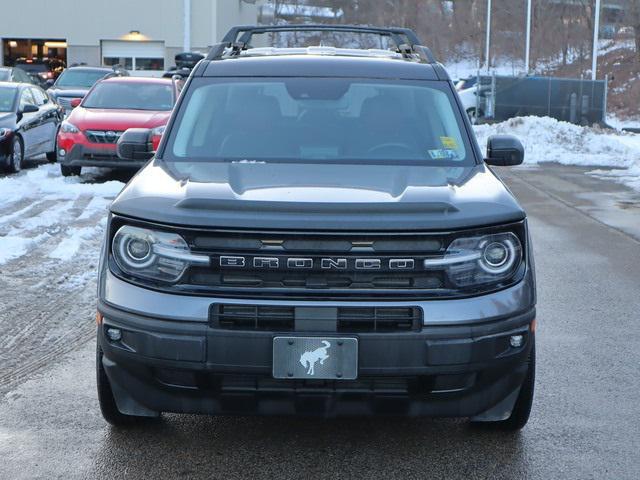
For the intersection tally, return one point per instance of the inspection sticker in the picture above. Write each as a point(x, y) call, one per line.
point(449, 142)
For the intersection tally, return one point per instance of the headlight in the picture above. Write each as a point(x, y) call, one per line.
point(481, 260)
point(67, 127)
point(152, 254)
point(4, 132)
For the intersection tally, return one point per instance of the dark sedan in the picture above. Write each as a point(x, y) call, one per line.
point(29, 122)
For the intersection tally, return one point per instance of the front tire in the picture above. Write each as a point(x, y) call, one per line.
point(17, 156)
point(52, 157)
point(106, 400)
point(68, 171)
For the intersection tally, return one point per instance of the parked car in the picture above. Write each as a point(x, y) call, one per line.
point(15, 74)
point(75, 82)
point(29, 121)
point(474, 102)
point(88, 136)
point(318, 233)
point(41, 70)
point(465, 83)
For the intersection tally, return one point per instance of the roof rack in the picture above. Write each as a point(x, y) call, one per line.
point(406, 40)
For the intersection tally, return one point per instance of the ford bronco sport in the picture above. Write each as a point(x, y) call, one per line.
point(317, 233)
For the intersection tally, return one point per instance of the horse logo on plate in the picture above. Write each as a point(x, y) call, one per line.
point(309, 359)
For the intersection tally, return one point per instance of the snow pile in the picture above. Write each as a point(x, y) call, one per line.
point(41, 209)
point(549, 140)
point(47, 181)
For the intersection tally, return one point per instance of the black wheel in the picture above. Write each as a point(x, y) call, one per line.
point(522, 409)
point(17, 155)
point(68, 171)
point(108, 405)
point(52, 157)
point(474, 115)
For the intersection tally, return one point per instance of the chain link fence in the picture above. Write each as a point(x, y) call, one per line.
point(579, 101)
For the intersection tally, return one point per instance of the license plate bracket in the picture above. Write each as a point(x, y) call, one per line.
point(315, 358)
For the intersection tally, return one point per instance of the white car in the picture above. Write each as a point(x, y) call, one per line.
point(474, 106)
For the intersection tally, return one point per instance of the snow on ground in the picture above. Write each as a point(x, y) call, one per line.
point(46, 180)
point(40, 208)
point(619, 123)
point(549, 140)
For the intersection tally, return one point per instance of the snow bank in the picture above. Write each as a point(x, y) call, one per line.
point(47, 181)
point(549, 140)
point(40, 207)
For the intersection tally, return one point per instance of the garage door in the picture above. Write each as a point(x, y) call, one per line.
point(133, 55)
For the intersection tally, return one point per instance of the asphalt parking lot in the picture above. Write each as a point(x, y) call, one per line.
point(585, 422)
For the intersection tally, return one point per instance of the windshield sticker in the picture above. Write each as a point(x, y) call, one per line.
point(449, 142)
point(443, 154)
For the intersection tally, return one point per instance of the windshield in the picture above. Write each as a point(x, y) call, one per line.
point(4, 75)
point(130, 96)
point(7, 97)
point(79, 78)
point(319, 120)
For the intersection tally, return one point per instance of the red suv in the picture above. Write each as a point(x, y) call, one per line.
point(88, 136)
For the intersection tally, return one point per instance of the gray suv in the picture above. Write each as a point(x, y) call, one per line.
point(318, 233)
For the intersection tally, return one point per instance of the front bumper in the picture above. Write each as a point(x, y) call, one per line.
point(185, 365)
point(81, 155)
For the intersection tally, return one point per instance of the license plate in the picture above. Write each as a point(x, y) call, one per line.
point(320, 358)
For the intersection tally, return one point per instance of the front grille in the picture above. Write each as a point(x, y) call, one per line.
point(108, 155)
point(254, 317)
point(340, 319)
point(103, 136)
point(314, 264)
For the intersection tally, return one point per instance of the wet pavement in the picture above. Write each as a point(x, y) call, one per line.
point(585, 422)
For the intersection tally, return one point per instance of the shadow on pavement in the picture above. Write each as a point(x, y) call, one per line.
point(283, 447)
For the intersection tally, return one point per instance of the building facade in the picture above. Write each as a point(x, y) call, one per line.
point(141, 35)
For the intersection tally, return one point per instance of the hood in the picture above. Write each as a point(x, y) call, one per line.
point(73, 92)
point(317, 197)
point(109, 119)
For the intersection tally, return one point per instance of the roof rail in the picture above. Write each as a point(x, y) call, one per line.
point(406, 40)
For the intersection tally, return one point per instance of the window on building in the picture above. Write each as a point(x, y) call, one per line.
point(133, 55)
point(126, 62)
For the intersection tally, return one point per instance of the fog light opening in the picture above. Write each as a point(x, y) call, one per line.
point(114, 334)
point(62, 152)
point(516, 341)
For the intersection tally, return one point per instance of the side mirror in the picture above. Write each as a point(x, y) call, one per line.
point(75, 102)
point(49, 83)
point(135, 144)
point(504, 150)
point(30, 108)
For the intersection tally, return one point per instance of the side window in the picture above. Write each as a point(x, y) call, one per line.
point(38, 96)
point(26, 98)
